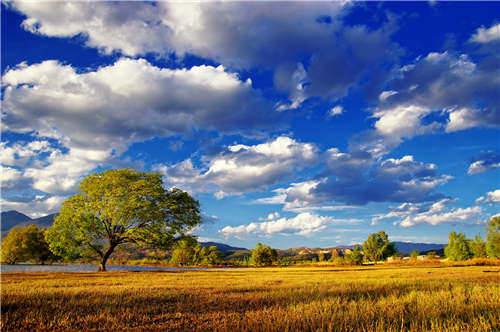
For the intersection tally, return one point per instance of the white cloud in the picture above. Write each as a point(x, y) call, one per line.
point(244, 168)
point(237, 34)
point(490, 197)
point(411, 214)
point(19, 154)
point(483, 162)
point(386, 94)
point(335, 111)
point(487, 35)
point(96, 115)
point(9, 176)
point(480, 166)
point(424, 88)
point(403, 121)
point(130, 100)
point(302, 224)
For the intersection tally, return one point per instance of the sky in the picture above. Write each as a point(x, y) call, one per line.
point(293, 124)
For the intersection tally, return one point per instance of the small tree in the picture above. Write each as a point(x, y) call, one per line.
point(263, 255)
point(209, 255)
point(184, 250)
point(355, 257)
point(117, 207)
point(478, 247)
point(458, 247)
point(378, 247)
point(414, 255)
point(493, 237)
point(26, 244)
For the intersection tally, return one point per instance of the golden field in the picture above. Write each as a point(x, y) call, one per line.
point(265, 299)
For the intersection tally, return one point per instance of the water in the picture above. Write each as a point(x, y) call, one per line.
point(86, 268)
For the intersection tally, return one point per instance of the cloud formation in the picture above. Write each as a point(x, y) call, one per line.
point(484, 162)
point(96, 115)
point(243, 168)
point(411, 214)
point(491, 197)
point(487, 35)
point(311, 51)
point(304, 224)
point(462, 91)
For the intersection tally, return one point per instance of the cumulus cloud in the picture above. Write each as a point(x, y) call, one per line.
point(356, 178)
point(96, 115)
point(403, 121)
point(238, 34)
point(130, 100)
point(444, 83)
point(490, 197)
point(411, 214)
point(484, 162)
point(242, 168)
point(299, 197)
point(487, 35)
point(302, 224)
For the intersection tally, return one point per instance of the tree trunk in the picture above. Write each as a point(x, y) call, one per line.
point(104, 259)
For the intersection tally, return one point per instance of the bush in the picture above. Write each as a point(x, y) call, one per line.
point(26, 244)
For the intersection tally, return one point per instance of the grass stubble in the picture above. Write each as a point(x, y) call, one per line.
point(264, 299)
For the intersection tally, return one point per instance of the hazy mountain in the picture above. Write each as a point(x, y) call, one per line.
point(408, 247)
point(225, 248)
point(14, 218)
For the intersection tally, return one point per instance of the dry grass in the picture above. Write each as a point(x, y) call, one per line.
point(286, 299)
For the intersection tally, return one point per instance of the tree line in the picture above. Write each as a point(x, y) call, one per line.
point(121, 208)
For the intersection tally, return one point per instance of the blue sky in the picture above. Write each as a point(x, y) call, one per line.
point(306, 124)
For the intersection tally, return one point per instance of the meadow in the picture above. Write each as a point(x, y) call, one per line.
point(385, 298)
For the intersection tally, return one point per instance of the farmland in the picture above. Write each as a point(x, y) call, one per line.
point(382, 298)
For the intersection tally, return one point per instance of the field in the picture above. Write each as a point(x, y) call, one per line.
point(266, 299)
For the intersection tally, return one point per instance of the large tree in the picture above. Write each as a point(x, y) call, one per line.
point(378, 247)
point(493, 237)
point(117, 207)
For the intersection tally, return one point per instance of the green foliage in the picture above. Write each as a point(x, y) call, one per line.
point(263, 255)
point(355, 257)
point(478, 247)
point(26, 244)
point(187, 251)
point(493, 238)
point(117, 207)
point(378, 247)
point(458, 247)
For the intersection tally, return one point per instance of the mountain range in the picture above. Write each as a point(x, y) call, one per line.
point(10, 219)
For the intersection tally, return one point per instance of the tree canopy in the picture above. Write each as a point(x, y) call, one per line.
point(378, 247)
point(458, 248)
point(493, 237)
point(117, 207)
point(263, 255)
point(188, 251)
point(26, 244)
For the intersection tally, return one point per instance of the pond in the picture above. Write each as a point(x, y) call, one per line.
point(87, 268)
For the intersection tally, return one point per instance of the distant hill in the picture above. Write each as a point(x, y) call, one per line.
point(10, 219)
point(408, 247)
point(225, 248)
